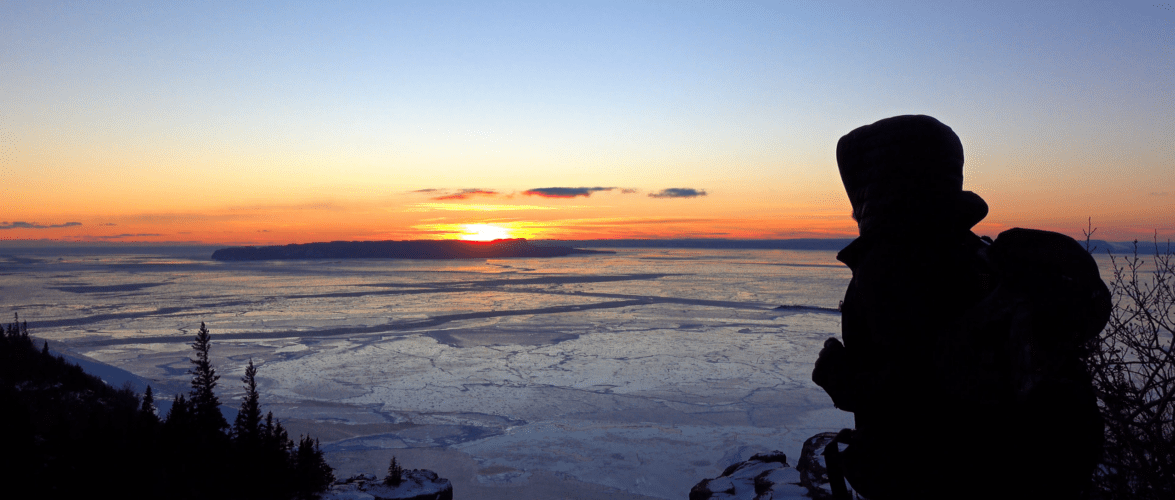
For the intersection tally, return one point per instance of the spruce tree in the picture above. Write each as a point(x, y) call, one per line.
point(275, 466)
point(205, 404)
point(274, 440)
point(395, 474)
point(148, 408)
point(267, 429)
point(247, 426)
point(179, 417)
point(177, 425)
point(311, 471)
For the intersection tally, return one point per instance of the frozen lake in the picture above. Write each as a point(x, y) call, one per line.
point(632, 375)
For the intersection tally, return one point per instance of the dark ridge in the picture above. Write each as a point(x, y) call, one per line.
point(416, 249)
point(712, 243)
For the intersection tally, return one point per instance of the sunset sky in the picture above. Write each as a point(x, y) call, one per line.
point(282, 122)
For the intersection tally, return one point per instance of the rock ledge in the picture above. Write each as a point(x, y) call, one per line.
point(766, 476)
point(418, 484)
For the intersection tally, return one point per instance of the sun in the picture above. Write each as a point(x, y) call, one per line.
point(484, 232)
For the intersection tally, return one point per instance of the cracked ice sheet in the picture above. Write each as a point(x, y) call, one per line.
point(657, 461)
point(713, 367)
point(663, 308)
point(685, 402)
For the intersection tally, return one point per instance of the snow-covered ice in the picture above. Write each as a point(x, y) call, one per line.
point(638, 373)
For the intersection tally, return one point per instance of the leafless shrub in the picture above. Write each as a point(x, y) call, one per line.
point(1133, 367)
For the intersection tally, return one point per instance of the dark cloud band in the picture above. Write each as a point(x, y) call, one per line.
point(565, 192)
point(679, 193)
point(125, 235)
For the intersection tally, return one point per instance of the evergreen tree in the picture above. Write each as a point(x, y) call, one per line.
point(395, 473)
point(275, 442)
point(311, 472)
point(266, 429)
point(281, 439)
point(16, 329)
point(179, 417)
point(205, 405)
point(148, 402)
point(273, 435)
point(83, 429)
point(147, 410)
point(247, 427)
point(274, 465)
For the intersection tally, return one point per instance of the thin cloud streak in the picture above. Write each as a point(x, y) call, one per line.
point(124, 235)
point(34, 225)
point(628, 221)
point(467, 193)
point(459, 207)
point(281, 207)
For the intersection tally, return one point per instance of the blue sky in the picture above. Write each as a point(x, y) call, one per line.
point(1065, 109)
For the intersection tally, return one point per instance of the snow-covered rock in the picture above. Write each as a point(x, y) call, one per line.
point(766, 476)
point(418, 484)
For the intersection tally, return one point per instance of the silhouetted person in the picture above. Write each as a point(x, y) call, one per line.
point(961, 358)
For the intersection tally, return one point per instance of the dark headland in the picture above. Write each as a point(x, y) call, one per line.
point(415, 249)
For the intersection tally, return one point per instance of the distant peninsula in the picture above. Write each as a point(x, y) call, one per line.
point(834, 244)
point(414, 249)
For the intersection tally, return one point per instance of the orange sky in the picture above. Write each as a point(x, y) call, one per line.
point(228, 123)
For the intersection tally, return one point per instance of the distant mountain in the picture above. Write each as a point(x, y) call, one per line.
point(1147, 247)
point(711, 243)
point(415, 249)
point(1099, 247)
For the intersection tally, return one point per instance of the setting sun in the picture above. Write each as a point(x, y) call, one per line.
point(484, 232)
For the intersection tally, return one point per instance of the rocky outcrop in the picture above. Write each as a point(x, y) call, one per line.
point(418, 484)
point(766, 476)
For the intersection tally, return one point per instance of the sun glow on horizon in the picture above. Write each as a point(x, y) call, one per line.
point(484, 232)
